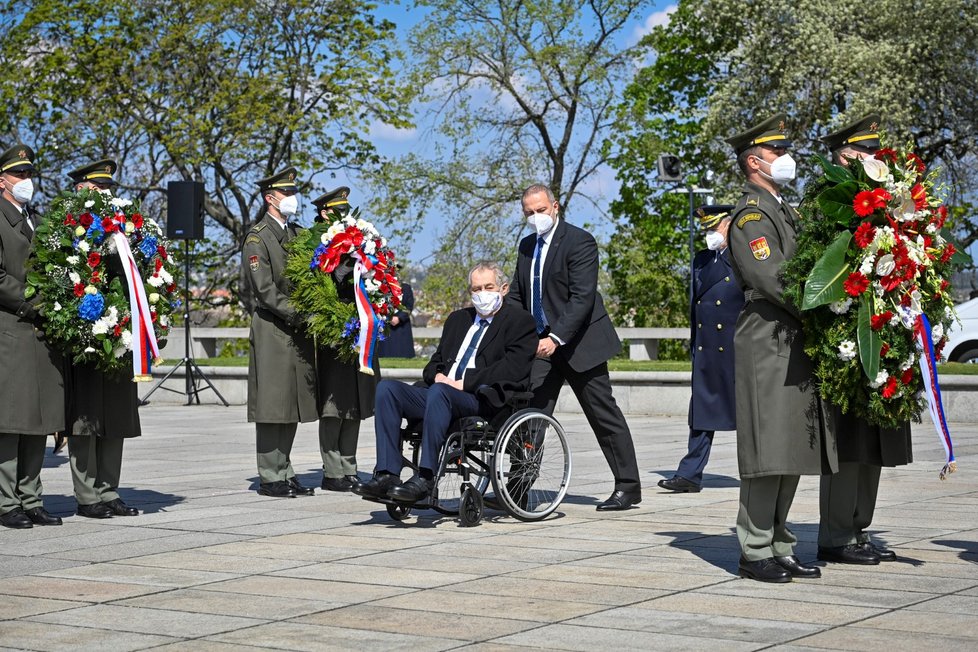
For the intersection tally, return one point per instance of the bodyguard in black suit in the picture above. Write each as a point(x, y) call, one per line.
point(714, 306)
point(489, 344)
point(576, 336)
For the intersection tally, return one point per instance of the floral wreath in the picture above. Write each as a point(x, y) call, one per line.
point(77, 271)
point(351, 328)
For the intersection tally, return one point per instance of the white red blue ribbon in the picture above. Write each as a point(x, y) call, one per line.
point(932, 392)
point(370, 323)
point(144, 346)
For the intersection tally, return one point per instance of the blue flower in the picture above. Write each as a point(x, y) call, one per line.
point(148, 246)
point(91, 307)
point(352, 327)
point(320, 250)
point(95, 231)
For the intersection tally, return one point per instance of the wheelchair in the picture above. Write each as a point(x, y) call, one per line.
point(526, 459)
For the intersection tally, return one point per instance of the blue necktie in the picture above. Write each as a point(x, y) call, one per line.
point(470, 349)
point(537, 306)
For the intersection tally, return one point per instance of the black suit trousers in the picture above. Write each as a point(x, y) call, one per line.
point(593, 391)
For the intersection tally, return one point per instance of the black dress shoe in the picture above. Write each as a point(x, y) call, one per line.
point(277, 489)
point(59, 442)
point(885, 554)
point(851, 554)
point(119, 508)
point(679, 484)
point(336, 484)
point(620, 500)
point(299, 489)
point(795, 567)
point(378, 486)
point(40, 516)
point(765, 570)
point(16, 519)
point(354, 480)
point(411, 491)
point(98, 510)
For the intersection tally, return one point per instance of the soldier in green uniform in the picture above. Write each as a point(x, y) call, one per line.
point(102, 409)
point(281, 370)
point(346, 396)
point(779, 430)
point(31, 381)
point(847, 499)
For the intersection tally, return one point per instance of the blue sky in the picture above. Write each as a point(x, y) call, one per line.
point(391, 142)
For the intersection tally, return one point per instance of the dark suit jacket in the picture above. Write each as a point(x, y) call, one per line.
point(505, 353)
point(571, 301)
point(400, 339)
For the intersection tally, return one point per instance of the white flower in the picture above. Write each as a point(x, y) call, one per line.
point(155, 281)
point(113, 247)
point(875, 169)
point(915, 302)
point(83, 246)
point(91, 289)
point(866, 267)
point(153, 297)
point(907, 318)
point(100, 327)
point(840, 307)
point(164, 320)
point(931, 228)
point(908, 362)
point(878, 289)
point(57, 306)
point(884, 238)
point(89, 203)
point(119, 351)
point(363, 225)
point(165, 275)
point(349, 221)
point(113, 317)
point(127, 339)
point(326, 237)
point(369, 247)
point(383, 242)
point(89, 349)
point(936, 333)
point(79, 231)
point(74, 278)
point(881, 378)
point(894, 320)
point(130, 227)
point(73, 260)
point(905, 210)
point(120, 202)
point(885, 265)
point(847, 350)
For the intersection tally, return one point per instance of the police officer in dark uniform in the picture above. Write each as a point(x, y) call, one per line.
point(346, 396)
point(716, 302)
point(847, 499)
point(281, 370)
point(31, 380)
point(102, 410)
point(779, 429)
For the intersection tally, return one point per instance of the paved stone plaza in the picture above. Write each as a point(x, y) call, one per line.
point(213, 566)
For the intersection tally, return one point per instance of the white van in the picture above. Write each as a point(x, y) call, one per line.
point(962, 345)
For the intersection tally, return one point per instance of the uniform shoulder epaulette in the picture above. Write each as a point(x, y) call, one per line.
point(258, 228)
point(753, 199)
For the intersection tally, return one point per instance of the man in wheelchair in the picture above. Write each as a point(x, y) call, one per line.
point(489, 344)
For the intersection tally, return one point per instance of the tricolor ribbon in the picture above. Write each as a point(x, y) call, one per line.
point(144, 347)
point(370, 323)
point(932, 392)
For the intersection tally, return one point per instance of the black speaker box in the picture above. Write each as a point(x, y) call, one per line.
point(185, 210)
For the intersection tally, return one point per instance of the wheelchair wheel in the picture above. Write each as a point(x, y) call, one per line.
point(531, 465)
point(398, 512)
point(449, 478)
point(470, 508)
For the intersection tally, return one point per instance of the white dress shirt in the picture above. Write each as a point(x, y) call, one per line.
point(473, 329)
point(547, 237)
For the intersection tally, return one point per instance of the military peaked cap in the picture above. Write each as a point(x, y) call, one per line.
point(863, 134)
point(99, 172)
point(332, 198)
point(19, 158)
point(771, 133)
point(711, 216)
point(283, 180)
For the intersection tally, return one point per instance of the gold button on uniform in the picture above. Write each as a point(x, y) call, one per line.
point(699, 325)
point(726, 278)
point(699, 348)
point(719, 327)
point(718, 302)
point(721, 349)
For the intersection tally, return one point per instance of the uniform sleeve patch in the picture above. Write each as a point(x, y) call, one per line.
point(760, 248)
point(253, 261)
point(749, 217)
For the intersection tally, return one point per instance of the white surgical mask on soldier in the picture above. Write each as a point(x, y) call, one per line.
point(486, 302)
point(714, 240)
point(23, 190)
point(288, 206)
point(782, 169)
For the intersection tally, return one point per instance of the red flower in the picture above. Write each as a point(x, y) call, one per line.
point(884, 349)
point(939, 347)
point(877, 322)
point(890, 388)
point(137, 220)
point(159, 265)
point(94, 259)
point(864, 203)
point(917, 161)
point(919, 195)
point(162, 252)
point(79, 290)
point(945, 284)
point(949, 251)
point(887, 155)
point(95, 278)
point(941, 217)
point(171, 288)
point(865, 234)
point(906, 376)
point(881, 196)
point(117, 331)
point(855, 284)
point(70, 221)
point(86, 220)
point(109, 225)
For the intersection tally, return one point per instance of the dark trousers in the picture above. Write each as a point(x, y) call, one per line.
point(697, 455)
point(593, 391)
point(438, 405)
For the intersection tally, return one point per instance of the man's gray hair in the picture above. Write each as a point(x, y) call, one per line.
point(539, 187)
point(495, 268)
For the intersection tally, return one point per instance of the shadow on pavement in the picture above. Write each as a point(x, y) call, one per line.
point(969, 549)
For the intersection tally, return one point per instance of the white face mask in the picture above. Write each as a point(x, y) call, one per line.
point(288, 206)
point(487, 302)
point(782, 169)
point(541, 222)
point(714, 240)
point(23, 190)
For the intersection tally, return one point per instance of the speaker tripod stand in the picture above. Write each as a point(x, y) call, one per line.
point(193, 375)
